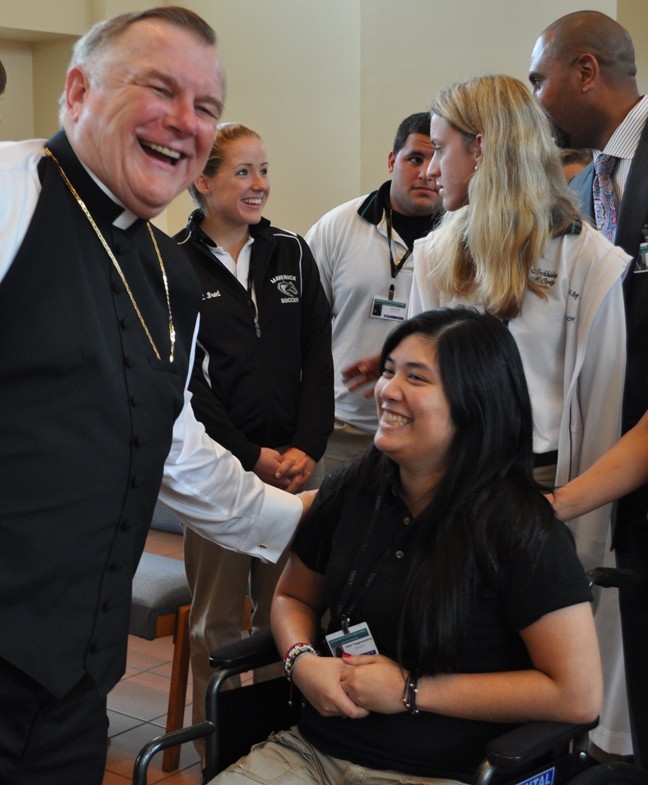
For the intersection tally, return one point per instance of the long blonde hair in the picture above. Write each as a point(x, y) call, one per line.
point(517, 198)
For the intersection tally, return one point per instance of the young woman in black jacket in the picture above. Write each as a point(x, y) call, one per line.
point(263, 375)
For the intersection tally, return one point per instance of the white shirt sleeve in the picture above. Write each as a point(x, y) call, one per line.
point(18, 177)
point(416, 304)
point(208, 489)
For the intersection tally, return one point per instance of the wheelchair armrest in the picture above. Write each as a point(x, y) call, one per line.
point(613, 577)
point(257, 708)
point(246, 654)
point(159, 743)
point(523, 745)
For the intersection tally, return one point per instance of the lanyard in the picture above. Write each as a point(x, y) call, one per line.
point(347, 604)
point(395, 267)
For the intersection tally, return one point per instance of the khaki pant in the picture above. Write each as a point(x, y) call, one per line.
point(219, 580)
point(287, 758)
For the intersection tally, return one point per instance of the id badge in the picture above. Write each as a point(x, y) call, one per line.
point(641, 262)
point(382, 308)
point(641, 265)
point(358, 640)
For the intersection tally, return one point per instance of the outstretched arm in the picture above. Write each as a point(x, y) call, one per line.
point(207, 488)
point(618, 471)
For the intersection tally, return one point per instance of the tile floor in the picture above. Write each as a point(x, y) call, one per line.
point(137, 705)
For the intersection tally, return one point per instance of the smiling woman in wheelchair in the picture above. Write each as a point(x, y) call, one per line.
point(437, 551)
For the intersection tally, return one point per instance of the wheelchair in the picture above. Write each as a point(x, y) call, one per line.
point(536, 753)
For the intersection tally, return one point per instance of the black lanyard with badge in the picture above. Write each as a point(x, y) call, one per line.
point(388, 308)
point(357, 638)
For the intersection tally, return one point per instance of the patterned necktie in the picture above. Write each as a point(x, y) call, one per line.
point(606, 202)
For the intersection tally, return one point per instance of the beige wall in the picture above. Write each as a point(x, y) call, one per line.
point(325, 84)
point(17, 105)
point(39, 17)
point(50, 60)
point(293, 75)
point(633, 15)
point(410, 50)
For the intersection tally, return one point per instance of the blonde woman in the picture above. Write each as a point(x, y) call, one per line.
point(512, 243)
point(262, 382)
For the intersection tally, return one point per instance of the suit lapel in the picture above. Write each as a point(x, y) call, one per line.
point(634, 205)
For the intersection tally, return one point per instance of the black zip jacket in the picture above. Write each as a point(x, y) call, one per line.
point(263, 376)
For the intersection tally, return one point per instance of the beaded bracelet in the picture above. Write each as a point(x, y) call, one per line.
point(409, 693)
point(294, 653)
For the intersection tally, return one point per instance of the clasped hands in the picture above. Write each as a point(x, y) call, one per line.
point(289, 470)
point(351, 686)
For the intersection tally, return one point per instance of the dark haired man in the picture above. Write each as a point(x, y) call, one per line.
point(363, 251)
point(583, 75)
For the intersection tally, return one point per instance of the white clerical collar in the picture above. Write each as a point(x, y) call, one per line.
point(126, 218)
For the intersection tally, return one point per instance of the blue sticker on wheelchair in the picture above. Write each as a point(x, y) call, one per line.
point(543, 778)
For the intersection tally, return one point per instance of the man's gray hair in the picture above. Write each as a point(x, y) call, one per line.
point(90, 50)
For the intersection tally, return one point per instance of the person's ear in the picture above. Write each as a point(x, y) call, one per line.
point(587, 72)
point(77, 87)
point(477, 146)
point(391, 160)
point(202, 184)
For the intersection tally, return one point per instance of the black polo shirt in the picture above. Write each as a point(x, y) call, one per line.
point(370, 532)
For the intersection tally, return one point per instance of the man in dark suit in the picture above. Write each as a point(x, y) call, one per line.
point(583, 75)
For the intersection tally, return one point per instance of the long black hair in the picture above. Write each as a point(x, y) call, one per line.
point(486, 506)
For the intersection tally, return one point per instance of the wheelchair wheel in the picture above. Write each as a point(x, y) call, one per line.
point(610, 773)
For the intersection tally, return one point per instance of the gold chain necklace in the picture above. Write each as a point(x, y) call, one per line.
point(116, 265)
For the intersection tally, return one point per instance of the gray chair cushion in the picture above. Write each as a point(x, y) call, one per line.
point(159, 587)
point(165, 520)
